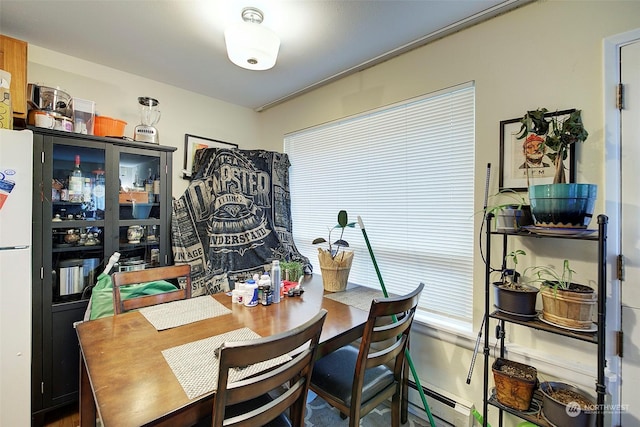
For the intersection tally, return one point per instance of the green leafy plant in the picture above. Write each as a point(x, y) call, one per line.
point(291, 270)
point(558, 132)
point(505, 198)
point(510, 275)
point(343, 223)
point(547, 276)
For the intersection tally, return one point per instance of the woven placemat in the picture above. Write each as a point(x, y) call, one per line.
point(359, 297)
point(196, 367)
point(182, 312)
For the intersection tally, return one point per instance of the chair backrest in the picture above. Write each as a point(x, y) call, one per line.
point(124, 278)
point(385, 337)
point(296, 373)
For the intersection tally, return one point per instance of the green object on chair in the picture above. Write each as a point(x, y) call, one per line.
point(102, 294)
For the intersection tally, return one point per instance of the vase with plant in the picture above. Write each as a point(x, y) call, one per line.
point(335, 261)
point(291, 270)
point(564, 303)
point(511, 211)
point(512, 297)
point(560, 204)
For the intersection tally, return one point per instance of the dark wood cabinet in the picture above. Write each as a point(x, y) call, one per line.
point(76, 233)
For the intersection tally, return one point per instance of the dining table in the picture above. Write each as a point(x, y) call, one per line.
point(125, 377)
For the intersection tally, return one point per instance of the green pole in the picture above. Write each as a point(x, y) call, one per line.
point(406, 351)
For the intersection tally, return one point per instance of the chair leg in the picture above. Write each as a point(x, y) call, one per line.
point(395, 410)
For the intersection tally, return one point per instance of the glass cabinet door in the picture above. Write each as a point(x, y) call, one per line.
point(77, 213)
point(140, 209)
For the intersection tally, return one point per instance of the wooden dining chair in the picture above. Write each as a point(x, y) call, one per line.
point(261, 400)
point(357, 380)
point(124, 278)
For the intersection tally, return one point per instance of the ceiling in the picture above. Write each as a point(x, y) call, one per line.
point(181, 42)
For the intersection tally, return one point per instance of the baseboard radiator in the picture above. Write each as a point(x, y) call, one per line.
point(447, 410)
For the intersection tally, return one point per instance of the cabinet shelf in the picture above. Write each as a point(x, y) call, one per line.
point(596, 337)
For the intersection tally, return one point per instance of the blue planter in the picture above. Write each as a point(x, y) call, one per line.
point(563, 205)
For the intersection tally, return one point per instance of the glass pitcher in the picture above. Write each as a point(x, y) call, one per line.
point(149, 110)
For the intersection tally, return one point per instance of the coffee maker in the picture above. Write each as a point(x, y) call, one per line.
point(149, 116)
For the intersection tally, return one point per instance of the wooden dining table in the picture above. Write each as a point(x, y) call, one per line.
point(126, 381)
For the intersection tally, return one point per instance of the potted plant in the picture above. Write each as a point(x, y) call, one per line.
point(564, 303)
point(564, 405)
point(515, 383)
point(559, 204)
point(335, 262)
point(511, 297)
point(512, 213)
point(291, 270)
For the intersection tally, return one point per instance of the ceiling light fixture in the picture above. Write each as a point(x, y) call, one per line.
point(251, 45)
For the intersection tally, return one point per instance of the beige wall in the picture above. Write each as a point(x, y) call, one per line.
point(116, 95)
point(546, 54)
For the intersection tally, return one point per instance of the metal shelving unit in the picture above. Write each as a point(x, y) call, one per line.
point(597, 338)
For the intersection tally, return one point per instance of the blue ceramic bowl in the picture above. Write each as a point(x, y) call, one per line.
point(563, 205)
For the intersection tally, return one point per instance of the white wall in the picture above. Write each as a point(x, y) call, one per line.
point(116, 95)
point(545, 54)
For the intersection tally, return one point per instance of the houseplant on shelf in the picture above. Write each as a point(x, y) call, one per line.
point(511, 211)
point(564, 303)
point(335, 261)
point(559, 204)
point(564, 405)
point(511, 297)
point(515, 383)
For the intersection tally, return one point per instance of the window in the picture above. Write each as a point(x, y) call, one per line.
point(408, 171)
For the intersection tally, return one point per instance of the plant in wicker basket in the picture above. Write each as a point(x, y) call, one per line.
point(335, 262)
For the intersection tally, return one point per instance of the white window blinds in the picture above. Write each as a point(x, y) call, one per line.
point(408, 171)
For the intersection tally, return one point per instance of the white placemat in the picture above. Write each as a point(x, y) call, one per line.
point(182, 312)
point(359, 297)
point(196, 367)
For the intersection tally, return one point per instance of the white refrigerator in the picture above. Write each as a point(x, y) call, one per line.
point(16, 178)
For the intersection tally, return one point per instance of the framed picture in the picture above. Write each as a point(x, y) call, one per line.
point(193, 143)
point(521, 162)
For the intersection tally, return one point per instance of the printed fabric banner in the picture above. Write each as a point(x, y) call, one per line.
point(234, 218)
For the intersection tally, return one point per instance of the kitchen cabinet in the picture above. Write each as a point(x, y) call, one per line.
point(79, 222)
point(596, 338)
point(13, 58)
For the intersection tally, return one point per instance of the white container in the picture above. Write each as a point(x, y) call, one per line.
point(84, 113)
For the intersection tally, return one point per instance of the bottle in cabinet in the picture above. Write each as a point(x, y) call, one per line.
point(76, 182)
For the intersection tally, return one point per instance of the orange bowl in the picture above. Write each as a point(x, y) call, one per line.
point(106, 126)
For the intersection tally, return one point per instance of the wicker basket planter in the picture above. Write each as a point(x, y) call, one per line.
point(335, 271)
point(569, 308)
point(515, 383)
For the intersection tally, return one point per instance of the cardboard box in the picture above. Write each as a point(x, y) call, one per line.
point(134, 196)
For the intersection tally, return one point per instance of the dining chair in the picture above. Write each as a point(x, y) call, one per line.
point(124, 278)
point(356, 380)
point(262, 399)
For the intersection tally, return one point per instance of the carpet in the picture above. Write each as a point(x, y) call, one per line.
point(320, 414)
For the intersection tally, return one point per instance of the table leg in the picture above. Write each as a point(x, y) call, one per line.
point(87, 403)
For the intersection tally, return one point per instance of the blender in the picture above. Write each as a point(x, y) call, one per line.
point(149, 116)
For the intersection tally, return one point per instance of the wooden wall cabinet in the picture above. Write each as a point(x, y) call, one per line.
point(13, 58)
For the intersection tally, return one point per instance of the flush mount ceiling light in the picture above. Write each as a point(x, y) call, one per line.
point(251, 45)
